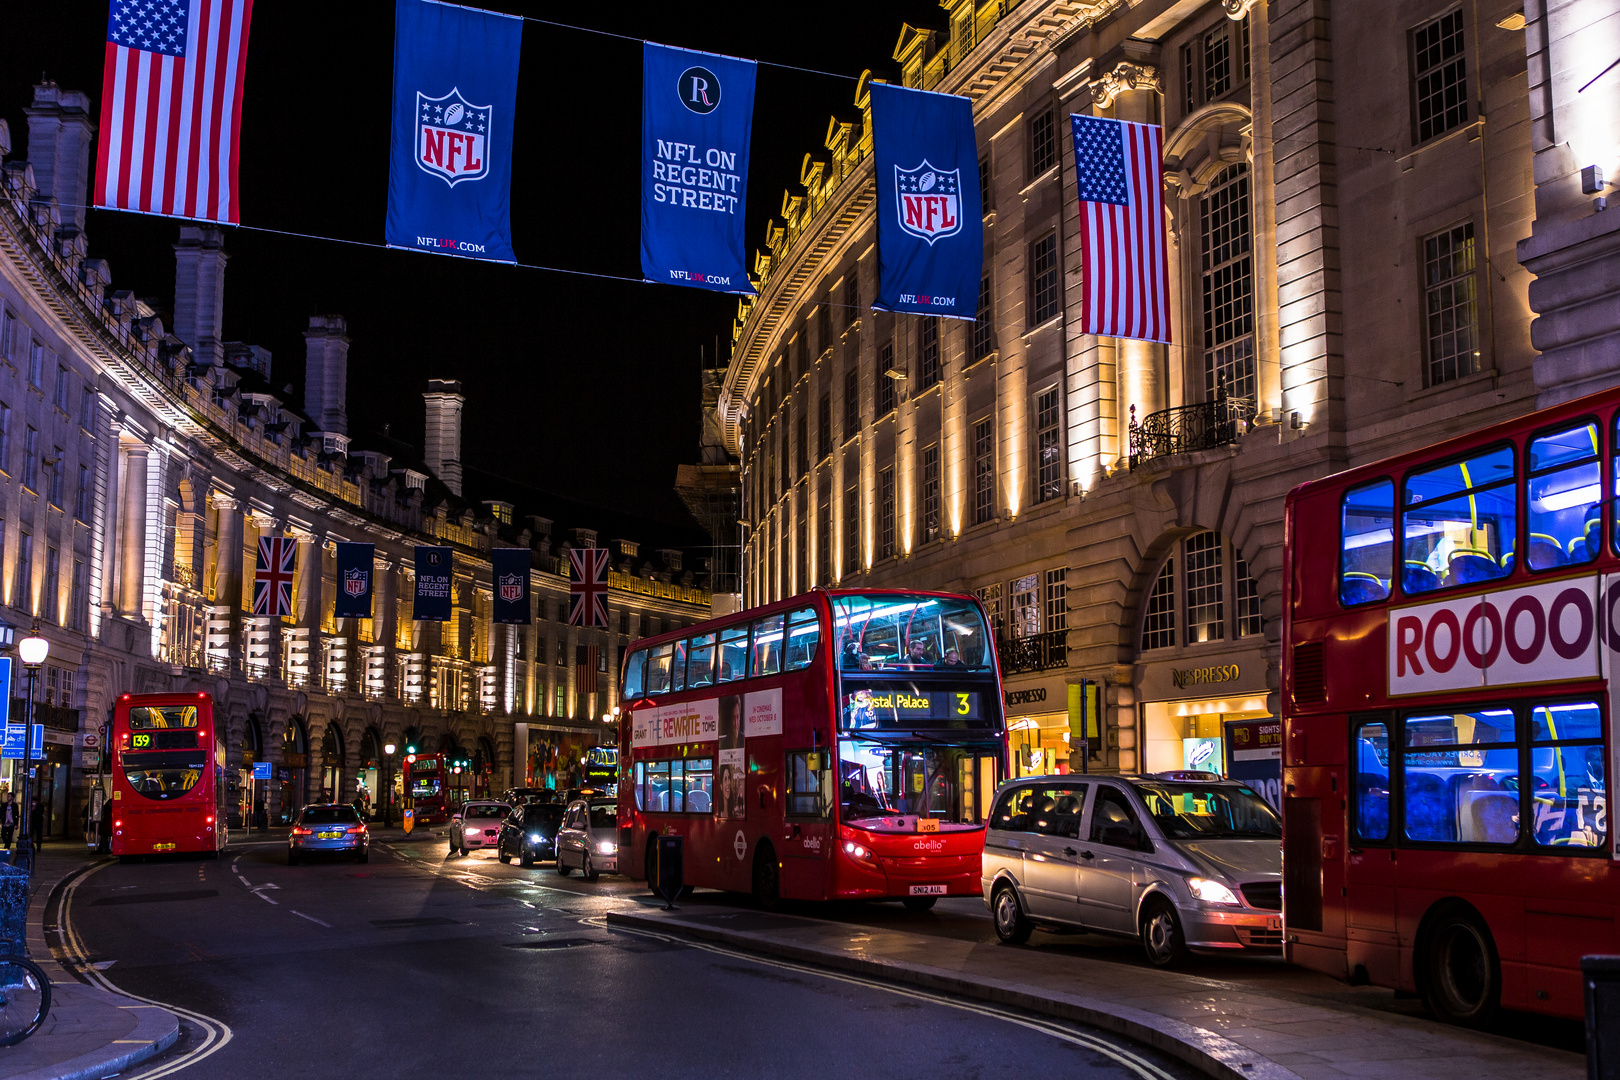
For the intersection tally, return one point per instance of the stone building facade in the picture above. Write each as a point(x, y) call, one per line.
point(142, 458)
point(1345, 188)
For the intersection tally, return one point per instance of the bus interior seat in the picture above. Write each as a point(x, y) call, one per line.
point(697, 801)
point(1545, 552)
point(1362, 588)
point(1430, 814)
point(1416, 577)
point(1488, 817)
point(1469, 565)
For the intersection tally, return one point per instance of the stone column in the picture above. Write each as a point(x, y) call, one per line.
point(226, 618)
point(132, 579)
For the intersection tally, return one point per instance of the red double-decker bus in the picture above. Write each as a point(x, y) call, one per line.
point(836, 745)
point(425, 782)
point(167, 776)
point(1449, 671)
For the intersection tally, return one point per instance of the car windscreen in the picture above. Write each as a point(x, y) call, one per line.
point(484, 810)
point(1209, 811)
point(544, 814)
point(328, 815)
point(604, 817)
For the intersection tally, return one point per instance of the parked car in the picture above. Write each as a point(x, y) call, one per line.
point(1185, 862)
point(477, 825)
point(514, 796)
point(330, 828)
point(589, 839)
point(529, 833)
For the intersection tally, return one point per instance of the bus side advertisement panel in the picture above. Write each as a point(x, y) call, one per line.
point(686, 722)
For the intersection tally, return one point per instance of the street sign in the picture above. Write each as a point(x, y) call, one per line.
point(12, 747)
point(5, 690)
point(261, 770)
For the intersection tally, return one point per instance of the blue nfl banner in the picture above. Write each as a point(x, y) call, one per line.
point(697, 114)
point(930, 230)
point(434, 585)
point(354, 577)
point(450, 156)
point(511, 584)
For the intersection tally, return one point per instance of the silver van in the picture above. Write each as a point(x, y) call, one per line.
point(1185, 861)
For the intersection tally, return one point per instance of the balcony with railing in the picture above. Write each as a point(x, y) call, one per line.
point(1037, 652)
point(1185, 428)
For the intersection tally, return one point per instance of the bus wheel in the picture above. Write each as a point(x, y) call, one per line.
point(1459, 974)
point(767, 878)
point(919, 903)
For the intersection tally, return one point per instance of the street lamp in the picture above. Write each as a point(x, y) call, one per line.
point(32, 651)
point(388, 786)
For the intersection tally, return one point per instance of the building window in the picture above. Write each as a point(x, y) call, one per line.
point(824, 438)
point(852, 296)
point(1439, 77)
point(1206, 620)
point(36, 363)
point(562, 651)
point(8, 334)
point(824, 559)
point(1247, 598)
point(801, 541)
point(852, 402)
point(1207, 68)
point(990, 597)
point(1048, 446)
point(1057, 599)
point(61, 397)
point(824, 323)
point(1026, 606)
point(886, 512)
point(1449, 304)
point(987, 201)
point(5, 437)
point(802, 443)
point(1159, 620)
point(1217, 63)
point(1243, 38)
point(928, 351)
point(1043, 279)
point(25, 570)
point(1228, 287)
point(53, 582)
point(852, 531)
point(1043, 147)
point(984, 472)
point(984, 326)
point(561, 700)
point(76, 611)
point(81, 498)
point(930, 492)
point(87, 409)
point(885, 384)
point(30, 477)
point(785, 482)
point(54, 494)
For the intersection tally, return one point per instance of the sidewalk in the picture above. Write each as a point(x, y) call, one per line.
point(90, 1033)
point(1231, 1032)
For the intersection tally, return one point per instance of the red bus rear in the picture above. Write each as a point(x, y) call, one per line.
point(168, 775)
point(425, 780)
point(837, 745)
point(1448, 690)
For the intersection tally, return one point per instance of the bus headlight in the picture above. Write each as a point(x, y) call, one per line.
point(1211, 892)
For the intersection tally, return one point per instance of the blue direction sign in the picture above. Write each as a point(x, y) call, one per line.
point(261, 770)
point(5, 691)
point(13, 745)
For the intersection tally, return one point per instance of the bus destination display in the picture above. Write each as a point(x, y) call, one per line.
point(892, 706)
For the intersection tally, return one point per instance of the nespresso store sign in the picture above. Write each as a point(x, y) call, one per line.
point(1033, 696)
point(1223, 673)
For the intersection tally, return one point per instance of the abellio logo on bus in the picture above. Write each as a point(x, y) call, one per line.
point(1538, 633)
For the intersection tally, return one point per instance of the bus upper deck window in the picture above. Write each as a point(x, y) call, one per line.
point(804, 634)
point(1367, 548)
point(1565, 498)
point(658, 665)
point(1459, 522)
point(700, 662)
point(634, 674)
point(733, 653)
point(767, 645)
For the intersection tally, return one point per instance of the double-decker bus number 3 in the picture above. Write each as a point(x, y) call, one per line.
point(964, 706)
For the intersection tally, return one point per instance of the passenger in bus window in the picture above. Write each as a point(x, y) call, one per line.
point(952, 658)
point(917, 655)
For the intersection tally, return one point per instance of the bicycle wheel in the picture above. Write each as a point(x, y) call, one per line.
point(25, 999)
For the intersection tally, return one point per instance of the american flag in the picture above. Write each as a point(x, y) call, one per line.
point(587, 593)
point(273, 580)
point(585, 659)
point(1120, 174)
point(171, 107)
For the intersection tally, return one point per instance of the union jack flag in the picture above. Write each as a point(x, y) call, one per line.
point(273, 580)
point(587, 593)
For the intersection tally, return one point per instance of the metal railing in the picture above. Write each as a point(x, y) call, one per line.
point(1038, 652)
point(1186, 428)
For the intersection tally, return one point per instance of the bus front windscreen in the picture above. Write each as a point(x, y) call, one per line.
point(881, 783)
point(164, 774)
point(879, 632)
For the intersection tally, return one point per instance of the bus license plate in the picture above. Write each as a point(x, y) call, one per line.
point(928, 890)
point(330, 835)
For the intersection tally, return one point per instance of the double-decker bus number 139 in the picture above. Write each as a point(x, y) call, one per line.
point(140, 742)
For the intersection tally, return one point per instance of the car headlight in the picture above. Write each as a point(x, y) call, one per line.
point(472, 832)
point(1211, 892)
point(607, 847)
point(534, 838)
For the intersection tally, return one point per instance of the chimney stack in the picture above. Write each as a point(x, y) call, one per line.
point(326, 373)
point(59, 132)
point(443, 454)
point(199, 291)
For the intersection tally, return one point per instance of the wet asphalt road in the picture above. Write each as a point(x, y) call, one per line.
point(417, 965)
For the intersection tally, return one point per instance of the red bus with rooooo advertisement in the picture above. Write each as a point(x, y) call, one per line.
point(168, 775)
point(835, 745)
point(1449, 676)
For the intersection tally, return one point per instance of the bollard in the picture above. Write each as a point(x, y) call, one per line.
point(1602, 977)
point(13, 909)
point(670, 872)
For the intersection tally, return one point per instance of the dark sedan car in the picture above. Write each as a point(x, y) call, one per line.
point(518, 795)
point(530, 832)
point(328, 827)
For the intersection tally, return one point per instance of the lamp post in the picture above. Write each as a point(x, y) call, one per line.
point(32, 651)
point(388, 787)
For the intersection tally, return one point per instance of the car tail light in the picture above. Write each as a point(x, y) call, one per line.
point(357, 829)
point(301, 832)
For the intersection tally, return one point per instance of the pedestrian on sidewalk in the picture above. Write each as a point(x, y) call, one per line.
point(261, 818)
point(37, 824)
point(8, 818)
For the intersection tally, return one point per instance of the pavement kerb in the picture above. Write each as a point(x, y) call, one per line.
point(1201, 1048)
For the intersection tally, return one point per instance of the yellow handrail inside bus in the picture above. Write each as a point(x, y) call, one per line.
point(1552, 732)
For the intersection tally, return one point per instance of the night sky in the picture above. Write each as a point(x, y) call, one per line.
point(580, 386)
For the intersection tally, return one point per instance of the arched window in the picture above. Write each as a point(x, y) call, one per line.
point(1214, 599)
point(1228, 278)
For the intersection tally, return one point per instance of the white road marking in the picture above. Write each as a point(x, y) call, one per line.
point(312, 919)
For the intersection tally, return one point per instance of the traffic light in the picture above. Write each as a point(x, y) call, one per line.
point(410, 748)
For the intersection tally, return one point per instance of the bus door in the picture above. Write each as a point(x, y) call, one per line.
point(807, 828)
point(1370, 860)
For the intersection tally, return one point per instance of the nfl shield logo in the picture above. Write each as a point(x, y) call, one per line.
point(452, 137)
point(511, 588)
point(356, 581)
point(930, 202)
